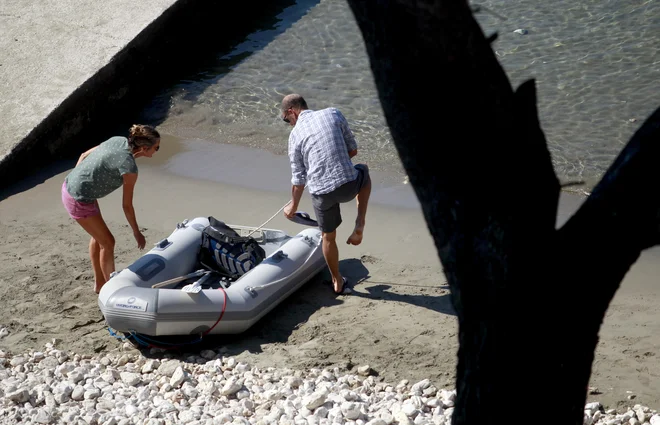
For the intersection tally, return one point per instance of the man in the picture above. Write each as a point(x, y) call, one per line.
point(321, 146)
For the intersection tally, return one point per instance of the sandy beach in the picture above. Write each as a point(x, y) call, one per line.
point(399, 320)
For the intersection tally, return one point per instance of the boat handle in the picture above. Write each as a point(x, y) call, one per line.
point(252, 290)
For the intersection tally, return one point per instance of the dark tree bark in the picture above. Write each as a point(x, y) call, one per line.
point(458, 125)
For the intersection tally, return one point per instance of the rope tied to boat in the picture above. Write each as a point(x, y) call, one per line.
point(273, 216)
point(147, 342)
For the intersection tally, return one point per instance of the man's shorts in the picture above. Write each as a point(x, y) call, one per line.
point(326, 206)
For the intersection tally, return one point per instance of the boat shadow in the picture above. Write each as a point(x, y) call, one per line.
point(278, 325)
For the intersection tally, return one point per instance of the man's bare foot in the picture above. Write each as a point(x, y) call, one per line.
point(356, 236)
point(341, 289)
point(337, 286)
point(97, 288)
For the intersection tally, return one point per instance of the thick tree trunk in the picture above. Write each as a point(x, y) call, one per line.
point(458, 127)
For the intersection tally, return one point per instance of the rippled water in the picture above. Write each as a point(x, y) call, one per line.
point(597, 67)
point(596, 63)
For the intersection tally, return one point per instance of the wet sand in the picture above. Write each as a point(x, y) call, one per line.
point(399, 320)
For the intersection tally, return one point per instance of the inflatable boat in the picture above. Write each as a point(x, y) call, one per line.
point(167, 292)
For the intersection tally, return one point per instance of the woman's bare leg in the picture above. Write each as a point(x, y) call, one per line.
point(103, 259)
point(95, 256)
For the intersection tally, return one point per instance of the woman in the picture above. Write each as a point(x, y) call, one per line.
point(100, 171)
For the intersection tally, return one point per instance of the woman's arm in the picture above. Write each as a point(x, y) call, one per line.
point(85, 154)
point(127, 203)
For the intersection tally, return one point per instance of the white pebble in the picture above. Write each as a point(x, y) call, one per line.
point(315, 399)
point(231, 387)
point(150, 366)
point(364, 370)
point(402, 418)
point(43, 417)
point(178, 377)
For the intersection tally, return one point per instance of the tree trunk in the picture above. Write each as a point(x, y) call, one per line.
point(458, 127)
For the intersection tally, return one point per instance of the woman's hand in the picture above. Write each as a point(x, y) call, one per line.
point(141, 241)
point(129, 211)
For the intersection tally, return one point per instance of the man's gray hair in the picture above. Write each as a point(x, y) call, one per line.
point(295, 101)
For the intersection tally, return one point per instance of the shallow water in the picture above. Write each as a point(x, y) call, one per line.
point(258, 169)
point(596, 65)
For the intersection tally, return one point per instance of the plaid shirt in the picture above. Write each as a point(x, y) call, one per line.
point(318, 151)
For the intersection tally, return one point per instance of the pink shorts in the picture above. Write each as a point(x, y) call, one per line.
point(76, 209)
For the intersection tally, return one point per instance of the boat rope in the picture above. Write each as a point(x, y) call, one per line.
point(222, 313)
point(147, 342)
point(274, 215)
point(267, 221)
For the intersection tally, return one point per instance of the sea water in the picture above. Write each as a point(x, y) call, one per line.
point(596, 66)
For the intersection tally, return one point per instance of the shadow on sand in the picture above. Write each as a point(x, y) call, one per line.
point(367, 288)
point(36, 178)
point(278, 325)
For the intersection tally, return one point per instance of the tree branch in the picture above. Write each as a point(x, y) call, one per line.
point(620, 219)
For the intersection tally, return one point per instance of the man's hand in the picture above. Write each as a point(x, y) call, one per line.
point(290, 211)
point(139, 238)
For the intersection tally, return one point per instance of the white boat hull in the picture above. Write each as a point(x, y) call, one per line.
point(131, 305)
